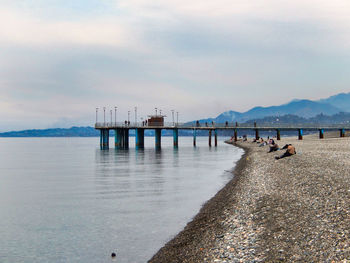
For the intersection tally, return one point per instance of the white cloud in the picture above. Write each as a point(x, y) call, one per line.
point(283, 10)
point(198, 57)
point(22, 29)
point(298, 24)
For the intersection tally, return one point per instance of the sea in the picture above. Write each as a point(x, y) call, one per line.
point(65, 200)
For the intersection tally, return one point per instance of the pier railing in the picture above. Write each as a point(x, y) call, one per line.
point(112, 125)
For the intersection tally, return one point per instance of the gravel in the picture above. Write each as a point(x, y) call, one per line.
point(296, 209)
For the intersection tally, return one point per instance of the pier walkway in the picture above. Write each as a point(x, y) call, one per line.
point(122, 131)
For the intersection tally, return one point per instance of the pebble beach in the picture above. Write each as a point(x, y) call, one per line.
point(296, 209)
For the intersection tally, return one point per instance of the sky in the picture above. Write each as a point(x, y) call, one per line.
point(61, 59)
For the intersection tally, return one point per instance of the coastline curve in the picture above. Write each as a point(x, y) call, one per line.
point(197, 238)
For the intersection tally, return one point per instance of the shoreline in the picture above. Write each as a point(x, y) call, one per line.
point(296, 209)
point(192, 243)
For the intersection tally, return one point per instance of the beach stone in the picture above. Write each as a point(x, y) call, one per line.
point(295, 209)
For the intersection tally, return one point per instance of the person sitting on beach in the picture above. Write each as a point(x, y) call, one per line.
point(231, 140)
point(289, 152)
point(273, 147)
point(263, 143)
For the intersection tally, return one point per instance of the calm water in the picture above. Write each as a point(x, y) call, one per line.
point(64, 200)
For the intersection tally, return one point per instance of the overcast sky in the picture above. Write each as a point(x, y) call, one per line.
point(61, 59)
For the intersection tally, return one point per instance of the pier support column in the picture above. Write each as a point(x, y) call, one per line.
point(215, 138)
point(121, 138)
point(300, 134)
point(158, 138)
point(209, 138)
point(117, 138)
point(342, 132)
point(104, 139)
point(139, 138)
point(235, 134)
point(176, 137)
point(126, 138)
point(101, 139)
point(257, 134)
point(194, 137)
point(278, 134)
point(321, 134)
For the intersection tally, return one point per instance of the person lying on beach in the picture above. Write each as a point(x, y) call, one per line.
point(289, 152)
point(274, 147)
point(285, 146)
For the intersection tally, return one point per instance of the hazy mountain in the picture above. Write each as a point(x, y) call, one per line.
point(341, 101)
point(301, 108)
point(339, 118)
point(56, 132)
point(228, 116)
point(79, 132)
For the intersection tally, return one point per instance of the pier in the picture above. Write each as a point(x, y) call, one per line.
point(122, 131)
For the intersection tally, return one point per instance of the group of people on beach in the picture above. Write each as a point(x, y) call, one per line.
point(273, 147)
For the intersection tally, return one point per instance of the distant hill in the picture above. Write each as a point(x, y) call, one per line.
point(302, 108)
point(78, 132)
point(341, 101)
point(58, 132)
point(339, 118)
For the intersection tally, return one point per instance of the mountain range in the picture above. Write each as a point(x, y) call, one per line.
point(335, 109)
point(302, 108)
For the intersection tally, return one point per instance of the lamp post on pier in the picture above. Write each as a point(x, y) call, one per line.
point(177, 118)
point(172, 113)
point(104, 115)
point(115, 115)
point(111, 115)
point(135, 116)
point(128, 117)
point(96, 114)
point(156, 110)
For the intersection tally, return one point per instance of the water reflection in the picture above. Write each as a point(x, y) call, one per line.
point(68, 201)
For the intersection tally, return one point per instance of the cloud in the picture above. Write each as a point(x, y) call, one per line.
point(61, 59)
point(312, 25)
point(283, 10)
point(23, 29)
